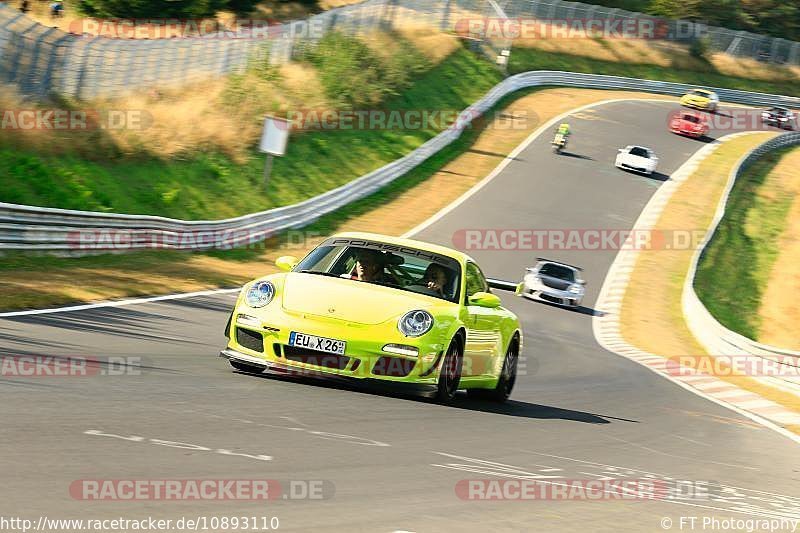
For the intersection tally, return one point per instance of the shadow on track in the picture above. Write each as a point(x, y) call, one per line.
point(577, 156)
point(532, 410)
point(581, 310)
point(511, 408)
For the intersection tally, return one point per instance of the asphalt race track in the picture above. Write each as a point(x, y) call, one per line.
point(392, 463)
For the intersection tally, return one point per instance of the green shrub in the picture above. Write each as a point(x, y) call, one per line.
point(700, 48)
point(354, 76)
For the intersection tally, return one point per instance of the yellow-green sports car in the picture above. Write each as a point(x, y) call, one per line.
point(701, 99)
point(372, 307)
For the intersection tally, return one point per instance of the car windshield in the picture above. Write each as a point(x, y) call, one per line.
point(698, 92)
point(557, 271)
point(691, 118)
point(639, 151)
point(399, 267)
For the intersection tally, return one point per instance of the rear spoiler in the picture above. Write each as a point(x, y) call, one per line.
point(558, 262)
point(505, 285)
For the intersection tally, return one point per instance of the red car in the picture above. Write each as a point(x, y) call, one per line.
point(689, 123)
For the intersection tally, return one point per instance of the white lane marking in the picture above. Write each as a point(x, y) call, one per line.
point(594, 463)
point(177, 444)
point(667, 454)
point(119, 303)
point(693, 441)
point(782, 507)
point(606, 327)
point(513, 155)
point(499, 168)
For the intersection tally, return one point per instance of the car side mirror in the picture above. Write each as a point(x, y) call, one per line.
point(484, 299)
point(580, 281)
point(286, 262)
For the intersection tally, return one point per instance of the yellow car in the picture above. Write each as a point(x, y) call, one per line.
point(376, 308)
point(701, 99)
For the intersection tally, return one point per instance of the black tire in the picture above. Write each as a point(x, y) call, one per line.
point(450, 373)
point(508, 376)
point(245, 367)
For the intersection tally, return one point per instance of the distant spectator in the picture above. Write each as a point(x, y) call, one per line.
point(25, 6)
point(57, 9)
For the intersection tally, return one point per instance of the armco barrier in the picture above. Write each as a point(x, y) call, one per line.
point(716, 338)
point(56, 230)
point(42, 61)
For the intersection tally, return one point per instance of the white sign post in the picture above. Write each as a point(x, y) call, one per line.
point(273, 141)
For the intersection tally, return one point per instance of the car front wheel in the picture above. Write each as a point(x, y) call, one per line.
point(450, 374)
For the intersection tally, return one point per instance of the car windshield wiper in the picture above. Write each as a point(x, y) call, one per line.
point(320, 273)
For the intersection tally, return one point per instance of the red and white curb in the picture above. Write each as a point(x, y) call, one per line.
point(607, 325)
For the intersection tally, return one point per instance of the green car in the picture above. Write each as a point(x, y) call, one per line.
point(375, 308)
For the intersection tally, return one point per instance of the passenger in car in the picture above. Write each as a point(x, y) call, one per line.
point(435, 278)
point(370, 267)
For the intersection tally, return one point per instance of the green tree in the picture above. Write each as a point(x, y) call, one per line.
point(151, 8)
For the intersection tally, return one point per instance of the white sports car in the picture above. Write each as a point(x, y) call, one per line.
point(554, 282)
point(637, 158)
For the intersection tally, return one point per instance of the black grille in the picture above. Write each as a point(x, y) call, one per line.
point(311, 357)
point(250, 339)
point(393, 366)
point(549, 298)
point(555, 283)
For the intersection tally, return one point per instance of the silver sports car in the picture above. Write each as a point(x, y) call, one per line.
point(554, 282)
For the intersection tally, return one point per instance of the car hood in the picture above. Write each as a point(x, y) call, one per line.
point(639, 160)
point(555, 283)
point(687, 124)
point(349, 300)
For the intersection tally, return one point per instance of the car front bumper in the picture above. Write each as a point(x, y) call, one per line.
point(687, 132)
point(266, 343)
point(283, 369)
point(554, 296)
point(641, 170)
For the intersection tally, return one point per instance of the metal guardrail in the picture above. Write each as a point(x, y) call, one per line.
point(82, 232)
point(716, 338)
point(42, 61)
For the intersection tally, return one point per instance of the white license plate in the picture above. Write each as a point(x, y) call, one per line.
point(320, 344)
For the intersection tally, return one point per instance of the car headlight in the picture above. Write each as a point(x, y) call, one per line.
point(415, 323)
point(260, 294)
point(575, 288)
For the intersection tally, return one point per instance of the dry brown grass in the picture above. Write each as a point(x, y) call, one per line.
point(190, 272)
point(659, 276)
point(780, 312)
point(664, 54)
point(434, 45)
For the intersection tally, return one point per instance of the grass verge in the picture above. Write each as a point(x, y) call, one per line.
point(524, 59)
point(778, 311)
point(211, 185)
point(737, 265)
point(659, 276)
point(393, 210)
